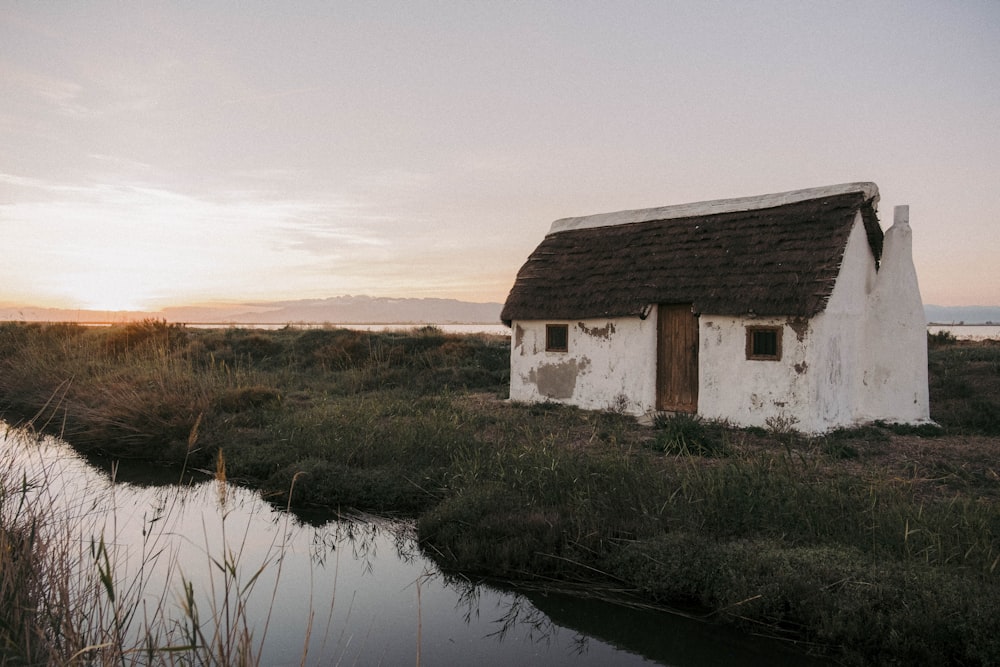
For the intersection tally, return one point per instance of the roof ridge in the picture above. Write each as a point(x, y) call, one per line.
point(712, 207)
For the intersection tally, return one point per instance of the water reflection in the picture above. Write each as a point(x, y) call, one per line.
point(350, 590)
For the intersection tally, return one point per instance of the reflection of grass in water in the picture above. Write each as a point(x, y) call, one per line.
point(62, 602)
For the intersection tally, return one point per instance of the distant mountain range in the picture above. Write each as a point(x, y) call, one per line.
point(962, 314)
point(368, 310)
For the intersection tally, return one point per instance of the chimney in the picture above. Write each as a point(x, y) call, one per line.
point(901, 215)
point(896, 379)
point(897, 246)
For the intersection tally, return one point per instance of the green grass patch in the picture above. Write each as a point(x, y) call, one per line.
point(688, 435)
point(965, 386)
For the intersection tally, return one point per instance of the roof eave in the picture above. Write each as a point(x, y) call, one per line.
point(868, 189)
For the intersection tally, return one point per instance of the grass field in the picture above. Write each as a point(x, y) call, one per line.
point(879, 544)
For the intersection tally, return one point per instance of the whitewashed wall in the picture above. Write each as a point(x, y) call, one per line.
point(749, 392)
point(610, 364)
point(864, 358)
point(895, 379)
point(838, 343)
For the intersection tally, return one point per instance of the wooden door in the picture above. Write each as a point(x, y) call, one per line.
point(677, 359)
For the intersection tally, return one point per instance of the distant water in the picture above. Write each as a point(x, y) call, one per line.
point(962, 332)
point(968, 331)
point(493, 329)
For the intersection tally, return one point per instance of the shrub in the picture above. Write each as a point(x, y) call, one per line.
point(943, 337)
point(144, 333)
point(688, 435)
point(833, 596)
point(490, 529)
point(255, 347)
point(246, 398)
point(327, 484)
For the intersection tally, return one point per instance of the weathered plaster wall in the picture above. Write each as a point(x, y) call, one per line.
point(749, 392)
point(895, 378)
point(837, 353)
point(867, 358)
point(816, 385)
point(609, 364)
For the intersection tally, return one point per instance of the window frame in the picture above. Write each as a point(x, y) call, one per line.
point(563, 330)
point(753, 331)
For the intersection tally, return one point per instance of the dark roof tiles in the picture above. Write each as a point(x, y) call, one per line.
point(781, 260)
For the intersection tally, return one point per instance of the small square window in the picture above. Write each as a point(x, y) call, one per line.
point(556, 337)
point(764, 343)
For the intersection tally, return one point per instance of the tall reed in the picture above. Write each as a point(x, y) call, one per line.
point(70, 593)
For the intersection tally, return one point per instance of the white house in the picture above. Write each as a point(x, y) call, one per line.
point(788, 308)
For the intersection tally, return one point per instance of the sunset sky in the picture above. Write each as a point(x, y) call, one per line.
point(156, 154)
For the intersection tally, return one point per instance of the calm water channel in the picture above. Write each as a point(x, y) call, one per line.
point(351, 591)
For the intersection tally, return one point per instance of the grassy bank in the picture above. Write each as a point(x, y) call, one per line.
point(879, 544)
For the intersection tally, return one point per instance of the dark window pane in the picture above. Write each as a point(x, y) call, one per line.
point(556, 337)
point(765, 343)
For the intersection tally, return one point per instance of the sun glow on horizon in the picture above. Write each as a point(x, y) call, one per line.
point(132, 247)
point(104, 288)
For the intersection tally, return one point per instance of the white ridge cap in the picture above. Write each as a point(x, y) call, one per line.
point(869, 190)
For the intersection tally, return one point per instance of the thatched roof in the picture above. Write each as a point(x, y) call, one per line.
point(771, 255)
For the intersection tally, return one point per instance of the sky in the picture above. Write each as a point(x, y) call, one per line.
point(158, 154)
